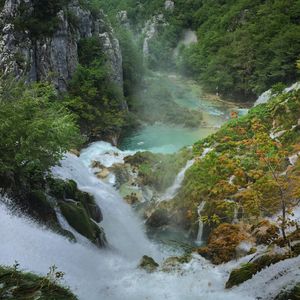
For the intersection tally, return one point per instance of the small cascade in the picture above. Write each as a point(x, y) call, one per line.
point(172, 190)
point(199, 240)
point(205, 152)
point(235, 215)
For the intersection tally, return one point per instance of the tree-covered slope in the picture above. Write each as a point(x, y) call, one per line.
point(244, 47)
point(248, 170)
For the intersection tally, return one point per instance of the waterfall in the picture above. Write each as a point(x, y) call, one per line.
point(172, 190)
point(122, 227)
point(112, 274)
point(201, 225)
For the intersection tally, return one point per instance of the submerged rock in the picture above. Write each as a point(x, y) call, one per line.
point(174, 263)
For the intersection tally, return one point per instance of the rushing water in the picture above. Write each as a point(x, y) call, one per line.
point(165, 138)
point(173, 189)
point(112, 274)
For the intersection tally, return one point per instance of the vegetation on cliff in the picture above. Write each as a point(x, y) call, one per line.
point(246, 172)
point(36, 130)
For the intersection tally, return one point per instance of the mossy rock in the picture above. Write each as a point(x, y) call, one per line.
point(79, 219)
point(241, 275)
point(66, 233)
point(40, 205)
point(174, 262)
point(66, 190)
point(291, 294)
point(21, 286)
point(296, 249)
point(61, 189)
point(90, 205)
point(246, 271)
point(148, 263)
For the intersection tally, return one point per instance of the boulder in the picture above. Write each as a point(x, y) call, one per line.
point(97, 165)
point(148, 264)
point(78, 218)
point(246, 271)
point(75, 152)
point(103, 173)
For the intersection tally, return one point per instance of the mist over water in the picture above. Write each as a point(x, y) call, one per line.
point(165, 137)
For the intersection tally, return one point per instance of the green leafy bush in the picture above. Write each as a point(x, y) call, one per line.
point(35, 129)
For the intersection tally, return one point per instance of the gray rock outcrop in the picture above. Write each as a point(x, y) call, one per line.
point(55, 57)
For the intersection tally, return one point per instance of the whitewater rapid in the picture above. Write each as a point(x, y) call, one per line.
point(111, 274)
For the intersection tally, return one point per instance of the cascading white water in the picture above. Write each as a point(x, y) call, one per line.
point(122, 227)
point(111, 274)
point(172, 190)
point(199, 240)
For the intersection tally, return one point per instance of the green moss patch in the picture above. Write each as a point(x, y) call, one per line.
point(21, 286)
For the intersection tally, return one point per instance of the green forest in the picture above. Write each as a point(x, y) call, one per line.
point(244, 47)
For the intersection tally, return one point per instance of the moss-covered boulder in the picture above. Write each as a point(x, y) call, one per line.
point(18, 285)
point(79, 208)
point(148, 264)
point(246, 271)
point(223, 242)
point(41, 207)
point(77, 216)
point(68, 190)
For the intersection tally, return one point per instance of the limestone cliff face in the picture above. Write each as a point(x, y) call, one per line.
point(55, 56)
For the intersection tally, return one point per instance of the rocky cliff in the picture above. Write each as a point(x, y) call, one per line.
point(54, 53)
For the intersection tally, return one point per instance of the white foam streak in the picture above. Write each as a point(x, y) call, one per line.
point(199, 240)
point(172, 190)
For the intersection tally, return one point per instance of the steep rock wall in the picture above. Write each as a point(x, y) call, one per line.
point(55, 56)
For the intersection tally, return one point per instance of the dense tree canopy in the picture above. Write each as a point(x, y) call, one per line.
point(35, 130)
point(244, 46)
